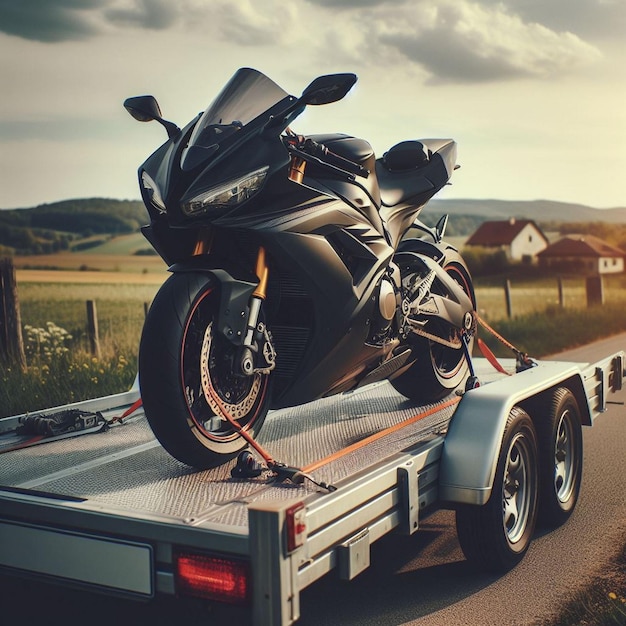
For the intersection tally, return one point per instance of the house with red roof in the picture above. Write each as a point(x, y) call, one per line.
point(520, 239)
point(585, 253)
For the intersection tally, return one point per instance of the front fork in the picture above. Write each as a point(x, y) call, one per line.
point(257, 351)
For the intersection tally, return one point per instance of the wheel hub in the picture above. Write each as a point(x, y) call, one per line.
point(564, 469)
point(516, 494)
point(236, 395)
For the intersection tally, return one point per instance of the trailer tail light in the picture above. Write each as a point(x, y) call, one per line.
point(213, 578)
point(296, 526)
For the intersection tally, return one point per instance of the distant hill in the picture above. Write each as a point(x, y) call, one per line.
point(53, 227)
point(64, 225)
point(538, 210)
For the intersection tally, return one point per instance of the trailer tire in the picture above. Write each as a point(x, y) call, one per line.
point(560, 458)
point(496, 535)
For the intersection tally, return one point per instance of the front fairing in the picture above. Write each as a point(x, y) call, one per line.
point(248, 96)
point(224, 142)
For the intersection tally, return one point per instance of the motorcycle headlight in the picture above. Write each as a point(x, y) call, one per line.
point(226, 195)
point(153, 192)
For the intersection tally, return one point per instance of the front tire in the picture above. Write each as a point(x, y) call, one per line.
point(496, 536)
point(184, 363)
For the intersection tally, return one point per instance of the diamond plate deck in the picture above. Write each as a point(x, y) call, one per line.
point(126, 469)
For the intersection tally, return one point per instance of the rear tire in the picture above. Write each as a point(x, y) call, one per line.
point(495, 537)
point(183, 364)
point(439, 369)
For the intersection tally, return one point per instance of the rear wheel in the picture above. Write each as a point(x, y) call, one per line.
point(439, 369)
point(186, 371)
point(496, 536)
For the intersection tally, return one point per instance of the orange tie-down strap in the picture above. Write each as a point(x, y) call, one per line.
point(379, 435)
point(131, 409)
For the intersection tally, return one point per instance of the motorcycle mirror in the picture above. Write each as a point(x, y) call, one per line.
point(146, 109)
point(327, 89)
point(323, 90)
point(143, 108)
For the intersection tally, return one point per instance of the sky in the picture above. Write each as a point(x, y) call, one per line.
point(533, 91)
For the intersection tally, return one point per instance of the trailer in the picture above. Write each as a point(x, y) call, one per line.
point(107, 509)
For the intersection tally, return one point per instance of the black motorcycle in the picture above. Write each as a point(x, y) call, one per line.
point(299, 268)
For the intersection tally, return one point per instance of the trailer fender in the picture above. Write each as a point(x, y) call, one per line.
point(472, 443)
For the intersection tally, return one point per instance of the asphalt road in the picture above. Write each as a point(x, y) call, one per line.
point(423, 579)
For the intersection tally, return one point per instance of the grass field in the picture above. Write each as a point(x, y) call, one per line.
point(61, 368)
point(92, 263)
point(120, 307)
point(124, 245)
point(116, 255)
point(540, 294)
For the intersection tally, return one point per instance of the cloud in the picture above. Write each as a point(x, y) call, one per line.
point(591, 19)
point(468, 43)
point(52, 21)
point(351, 4)
point(48, 21)
point(246, 23)
point(150, 14)
point(447, 41)
point(243, 23)
point(460, 41)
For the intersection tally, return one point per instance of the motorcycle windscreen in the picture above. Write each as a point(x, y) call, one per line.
point(247, 95)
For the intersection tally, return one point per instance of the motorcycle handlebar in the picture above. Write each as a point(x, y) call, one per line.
point(321, 152)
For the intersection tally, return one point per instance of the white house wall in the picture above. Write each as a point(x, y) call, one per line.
point(528, 243)
point(610, 265)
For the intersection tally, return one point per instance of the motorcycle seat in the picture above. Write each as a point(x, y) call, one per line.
point(408, 169)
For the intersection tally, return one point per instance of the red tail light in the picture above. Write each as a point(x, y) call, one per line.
point(213, 578)
point(296, 526)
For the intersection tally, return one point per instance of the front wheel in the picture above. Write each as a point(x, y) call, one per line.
point(496, 536)
point(186, 371)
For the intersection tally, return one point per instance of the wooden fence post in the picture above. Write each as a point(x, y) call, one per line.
point(92, 328)
point(595, 290)
point(561, 293)
point(507, 297)
point(11, 340)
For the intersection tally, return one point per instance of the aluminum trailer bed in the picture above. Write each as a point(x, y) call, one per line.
point(112, 511)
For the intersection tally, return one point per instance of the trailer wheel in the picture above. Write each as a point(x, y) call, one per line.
point(496, 536)
point(560, 458)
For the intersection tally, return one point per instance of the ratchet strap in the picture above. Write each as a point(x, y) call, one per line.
point(38, 428)
point(524, 362)
point(248, 467)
